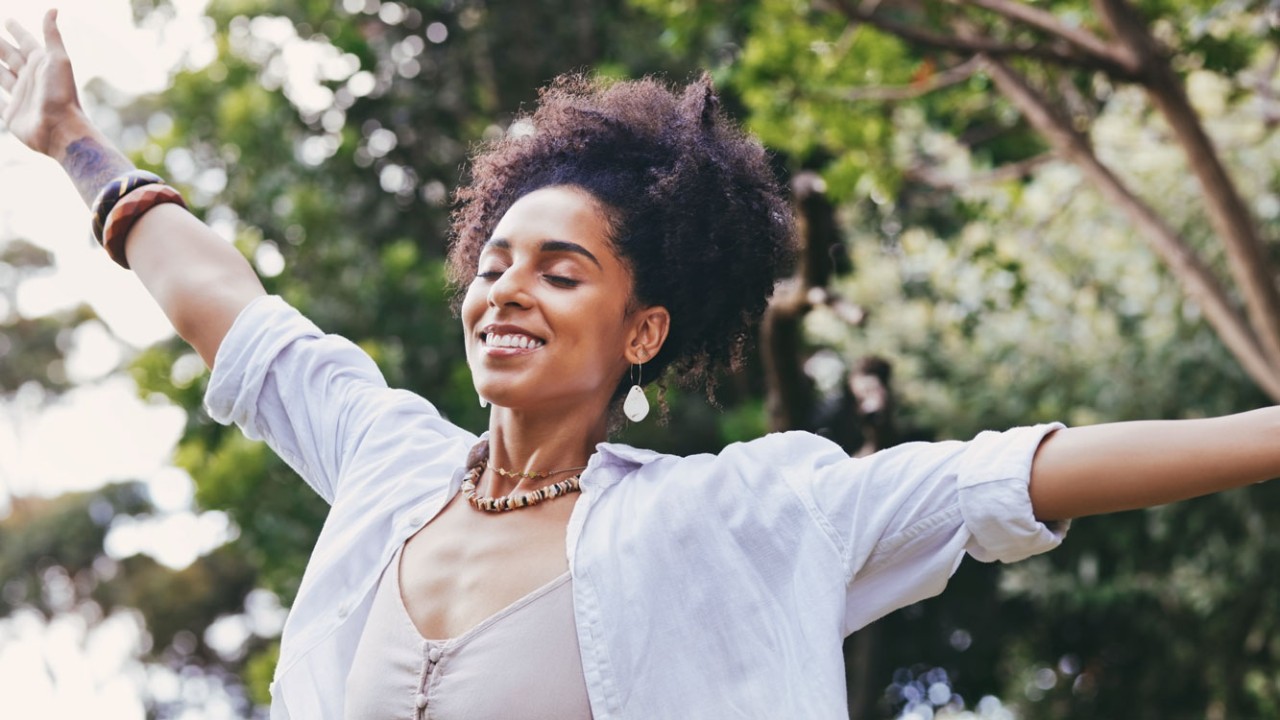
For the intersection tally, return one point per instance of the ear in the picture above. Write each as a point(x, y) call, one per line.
point(649, 328)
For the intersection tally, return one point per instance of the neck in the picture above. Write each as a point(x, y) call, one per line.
point(525, 442)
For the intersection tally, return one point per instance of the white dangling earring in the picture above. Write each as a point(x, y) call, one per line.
point(636, 406)
point(483, 403)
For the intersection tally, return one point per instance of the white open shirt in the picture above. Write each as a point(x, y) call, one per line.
point(711, 586)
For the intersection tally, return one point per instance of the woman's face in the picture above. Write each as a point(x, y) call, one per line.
point(546, 319)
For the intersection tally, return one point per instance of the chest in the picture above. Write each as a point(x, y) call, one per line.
point(464, 565)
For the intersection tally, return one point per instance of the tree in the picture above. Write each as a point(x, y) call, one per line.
point(987, 160)
point(1117, 45)
point(333, 175)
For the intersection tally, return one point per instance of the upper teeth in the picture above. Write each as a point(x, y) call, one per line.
point(516, 341)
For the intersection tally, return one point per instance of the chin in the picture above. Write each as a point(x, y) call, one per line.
point(499, 397)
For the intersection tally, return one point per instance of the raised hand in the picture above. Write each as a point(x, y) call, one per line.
point(39, 105)
point(39, 97)
point(200, 281)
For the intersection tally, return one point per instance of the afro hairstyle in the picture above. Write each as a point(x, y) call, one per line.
point(695, 210)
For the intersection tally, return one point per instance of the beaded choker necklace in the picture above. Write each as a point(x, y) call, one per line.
point(476, 465)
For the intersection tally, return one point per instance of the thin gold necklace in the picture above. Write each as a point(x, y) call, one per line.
point(514, 502)
point(478, 459)
point(532, 475)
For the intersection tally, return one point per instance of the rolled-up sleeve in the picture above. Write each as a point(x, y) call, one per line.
point(311, 396)
point(903, 519)
point(993, 477)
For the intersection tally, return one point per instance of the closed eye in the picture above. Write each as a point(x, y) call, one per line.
point(562, 281)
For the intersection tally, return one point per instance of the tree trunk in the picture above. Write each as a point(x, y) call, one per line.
point(791, 397)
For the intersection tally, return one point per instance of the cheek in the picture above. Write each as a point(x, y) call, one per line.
point(470, 312)
point(473, 304)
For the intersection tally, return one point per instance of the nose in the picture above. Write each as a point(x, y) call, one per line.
point(510, 289)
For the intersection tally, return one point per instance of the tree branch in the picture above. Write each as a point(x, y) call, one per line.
point(1008, 171)
point(1195, 277)
point(1047, 22)
point(947, 78)
point(1059, 53)
point(1247, 255)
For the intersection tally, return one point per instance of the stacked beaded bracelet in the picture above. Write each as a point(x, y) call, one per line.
point(112, 193)
point(122, 202)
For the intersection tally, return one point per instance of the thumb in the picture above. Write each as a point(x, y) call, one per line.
point(52, 36)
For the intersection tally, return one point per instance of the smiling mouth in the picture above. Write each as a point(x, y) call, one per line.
point(510, 341)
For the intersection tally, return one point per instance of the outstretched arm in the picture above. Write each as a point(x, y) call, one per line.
point(1121, 466)
point(200, 281)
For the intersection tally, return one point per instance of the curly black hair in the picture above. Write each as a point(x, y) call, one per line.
point(693, 205)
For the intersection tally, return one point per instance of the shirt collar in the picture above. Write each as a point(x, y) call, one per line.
point(627, 453)
point(617, 456)
point(611, 454)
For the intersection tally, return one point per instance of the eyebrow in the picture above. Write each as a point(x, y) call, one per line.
point(550, 246)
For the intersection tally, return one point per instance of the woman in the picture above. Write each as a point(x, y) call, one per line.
point(540, 571)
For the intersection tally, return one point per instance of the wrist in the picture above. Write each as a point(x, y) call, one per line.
point(75, 126)
point(88, 158)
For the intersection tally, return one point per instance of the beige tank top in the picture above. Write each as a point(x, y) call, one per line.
point(521, 663)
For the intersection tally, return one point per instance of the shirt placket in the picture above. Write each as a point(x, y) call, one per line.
point(431, 654)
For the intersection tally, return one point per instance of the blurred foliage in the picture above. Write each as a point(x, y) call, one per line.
point(52, 560)
point(326, 136)
point(1005, 299)
point(63, 536)
point(31, 349)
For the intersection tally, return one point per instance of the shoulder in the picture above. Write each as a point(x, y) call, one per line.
point(772, 450)
point(741, 466)
point(789, 449)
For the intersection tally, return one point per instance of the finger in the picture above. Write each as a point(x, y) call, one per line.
point(11, 56)
point(7, 79)
point(4, 107)
point(26, 41)
point(52, 36)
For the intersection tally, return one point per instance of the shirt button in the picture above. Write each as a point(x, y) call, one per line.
point(344, 609)
point(433, 654)
point(421, 700)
